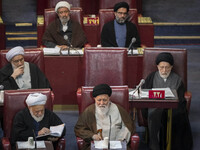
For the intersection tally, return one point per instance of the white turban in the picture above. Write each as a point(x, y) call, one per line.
point(62, 4)
point(14, 51)
point(36, 99)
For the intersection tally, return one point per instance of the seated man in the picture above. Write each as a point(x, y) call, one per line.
point(97, 117)
point(18, 74)
point(64, 32)
point(181, 130)
point(34, 118)
point(120, 32)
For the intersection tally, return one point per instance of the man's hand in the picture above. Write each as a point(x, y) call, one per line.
point(63, 47)
point(96, 137)
point(18, 71)
point(44, 131)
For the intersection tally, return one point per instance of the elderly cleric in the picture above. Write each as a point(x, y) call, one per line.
point(96, 117)
point(19, 74)
point(34, 118)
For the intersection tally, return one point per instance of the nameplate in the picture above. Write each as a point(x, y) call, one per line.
point(91, 20)
point(156, 94)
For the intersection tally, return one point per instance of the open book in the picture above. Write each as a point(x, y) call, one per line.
point(55, 131)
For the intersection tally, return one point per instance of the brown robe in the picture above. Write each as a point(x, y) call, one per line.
point(54, 34)
point(86, 126)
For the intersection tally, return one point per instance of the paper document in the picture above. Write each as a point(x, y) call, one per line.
point(26, 145)
point(51, 51)
point(113, 144)
point(168, 92)
point(143, 94)
point(72, 52)
point(54, 131)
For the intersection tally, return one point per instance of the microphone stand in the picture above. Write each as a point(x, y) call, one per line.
point(109, 134)
point(35, 140)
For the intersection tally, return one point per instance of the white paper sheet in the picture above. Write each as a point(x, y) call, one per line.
point(25, 145)
point(113, 144)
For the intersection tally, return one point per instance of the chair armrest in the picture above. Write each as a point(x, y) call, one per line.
point(61, 144)
point(135, 140)
point(78, 96)
point(80, 142)
point(6, 144)
point(188, 97)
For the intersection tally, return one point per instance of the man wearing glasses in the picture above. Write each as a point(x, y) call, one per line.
point(120, 32)
point(19, 74)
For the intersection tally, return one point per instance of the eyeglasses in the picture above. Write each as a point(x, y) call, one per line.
point(17, 61)
point(122, 13)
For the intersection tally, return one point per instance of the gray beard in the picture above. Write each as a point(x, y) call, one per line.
point(64, 20)
point(102, 111)
point(37, 119)
point(120, 21)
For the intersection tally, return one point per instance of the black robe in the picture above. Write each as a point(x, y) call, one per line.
point(108, 38)
point(38, 79)
point(23, 125)
point(181, 130)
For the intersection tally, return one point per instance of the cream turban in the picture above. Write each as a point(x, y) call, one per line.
point(62, 4)
point(36, 99)
point(14, 51)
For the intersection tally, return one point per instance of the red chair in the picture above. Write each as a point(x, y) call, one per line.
point(14, 101)
point(180, 67)
point(119, 96)
point(146, 36)
point(35, 56)
point(52, 3)
point(50, 15)
point(105, 4)
point(104, 65)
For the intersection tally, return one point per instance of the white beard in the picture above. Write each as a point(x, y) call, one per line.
point(102, 110)
point(164, 76)
point(37, 119)
point(64, 20)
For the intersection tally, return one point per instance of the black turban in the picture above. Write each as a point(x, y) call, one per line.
point(166, 57)
point(121, 5)
point(102, 89)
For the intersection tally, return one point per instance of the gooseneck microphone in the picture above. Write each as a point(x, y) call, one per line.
point(142, 81)
point(109, 133)
point(34, 137)
point(68, 42)
point(133, 40)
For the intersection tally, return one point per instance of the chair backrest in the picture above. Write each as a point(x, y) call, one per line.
point(105, 65)
point(14, 101)
point(52, 3)
point(35, 56)
point(119, 96)
point(106, 15)
point(180, 61)
point(50, 15)
point(108, 4)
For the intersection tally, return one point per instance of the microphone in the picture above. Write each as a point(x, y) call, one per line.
point(1, 87)
point(142, 81)
point(133, 40)
point(34, 137)
point(68, 42)
point(109, 133)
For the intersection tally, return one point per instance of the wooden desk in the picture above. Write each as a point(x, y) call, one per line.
point(49, 146)
point(65, 75)
point(155, 103)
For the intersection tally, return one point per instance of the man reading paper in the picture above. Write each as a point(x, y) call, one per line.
point(104, 115)
point(34, 119)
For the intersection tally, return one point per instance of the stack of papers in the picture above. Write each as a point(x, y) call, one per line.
point(51, 51)
point(26, 145)
point(113, 144)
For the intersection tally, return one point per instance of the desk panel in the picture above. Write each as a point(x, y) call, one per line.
point(65, 75)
